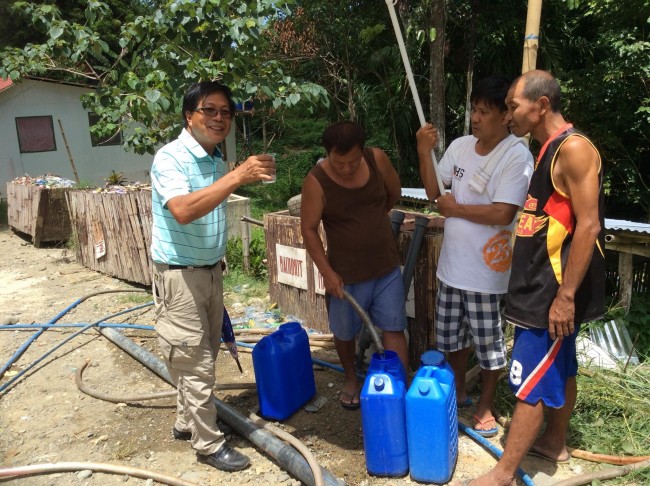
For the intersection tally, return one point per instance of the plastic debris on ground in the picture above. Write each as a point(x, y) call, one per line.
point(123, 188)
point(259, 315)
point(256, 318)
point(49, 181)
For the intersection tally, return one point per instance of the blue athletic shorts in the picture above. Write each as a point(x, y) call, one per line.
point(541, 366)
point(382, 298)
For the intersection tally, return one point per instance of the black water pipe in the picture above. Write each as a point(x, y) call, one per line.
point(396, 220)
point(287, 457)
point(421, 223)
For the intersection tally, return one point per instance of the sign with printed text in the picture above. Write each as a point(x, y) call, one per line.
point(319, 283)
point(292, 265)
point(98, 238)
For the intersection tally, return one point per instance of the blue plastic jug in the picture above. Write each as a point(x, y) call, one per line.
point(431, 421)
point(389, 363)
point(283, 371)
point(383, 420)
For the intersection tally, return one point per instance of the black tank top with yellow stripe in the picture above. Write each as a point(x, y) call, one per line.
point(541, 250)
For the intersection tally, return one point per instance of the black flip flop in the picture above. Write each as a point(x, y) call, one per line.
point(349, 405)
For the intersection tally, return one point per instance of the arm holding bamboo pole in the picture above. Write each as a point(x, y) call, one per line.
point(427, 138)
point(414, 91)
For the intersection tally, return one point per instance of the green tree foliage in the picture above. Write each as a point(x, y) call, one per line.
point(17, 29)
point(604, 62)
point(139, 83)
point(350, 49)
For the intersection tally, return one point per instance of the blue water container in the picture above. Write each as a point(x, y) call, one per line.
point(389, 363)
point(431, 421)
point(283, 371)
point(383, 420)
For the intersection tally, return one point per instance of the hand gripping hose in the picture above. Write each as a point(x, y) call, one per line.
point(367, 322)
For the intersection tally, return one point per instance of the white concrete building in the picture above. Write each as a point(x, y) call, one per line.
point(34, 115)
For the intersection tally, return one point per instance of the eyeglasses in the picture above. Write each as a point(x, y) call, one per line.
point(212, 112)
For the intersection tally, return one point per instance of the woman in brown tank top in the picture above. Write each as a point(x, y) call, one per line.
point(351, 192)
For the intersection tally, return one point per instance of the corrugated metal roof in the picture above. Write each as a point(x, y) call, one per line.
point(610, 224)
point(621, 225)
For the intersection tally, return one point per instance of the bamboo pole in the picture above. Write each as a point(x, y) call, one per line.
point(531, 37)
point(65, 140)
point(411, 80)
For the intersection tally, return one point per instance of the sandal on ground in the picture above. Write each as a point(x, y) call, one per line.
point(347, 400)
point(487, 433)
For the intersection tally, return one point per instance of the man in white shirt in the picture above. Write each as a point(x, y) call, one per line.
point(488, 173)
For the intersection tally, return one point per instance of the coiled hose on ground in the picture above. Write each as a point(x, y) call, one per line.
point(286, 456)
point(33, 469)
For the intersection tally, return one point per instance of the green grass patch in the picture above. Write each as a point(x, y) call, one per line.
point(237, 282)
point(256, 255)
point(135, 298)
point(612, 413)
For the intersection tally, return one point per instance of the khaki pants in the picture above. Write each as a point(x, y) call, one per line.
point(189, 314)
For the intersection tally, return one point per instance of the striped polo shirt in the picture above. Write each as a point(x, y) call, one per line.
point(179, 168)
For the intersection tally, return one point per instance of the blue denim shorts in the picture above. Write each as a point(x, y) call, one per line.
point(382, 298)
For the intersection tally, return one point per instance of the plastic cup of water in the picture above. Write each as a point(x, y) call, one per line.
point(272, 180)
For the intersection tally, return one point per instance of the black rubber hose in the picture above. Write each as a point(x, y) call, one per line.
point(287, 457)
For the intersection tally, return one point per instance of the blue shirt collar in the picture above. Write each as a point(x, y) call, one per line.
point(195, 147)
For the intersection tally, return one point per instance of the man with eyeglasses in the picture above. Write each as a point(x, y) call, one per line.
point(190, 188)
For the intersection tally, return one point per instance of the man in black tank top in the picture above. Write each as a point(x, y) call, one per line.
point(557, 279)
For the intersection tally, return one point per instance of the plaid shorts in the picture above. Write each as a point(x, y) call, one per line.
point(463, 317)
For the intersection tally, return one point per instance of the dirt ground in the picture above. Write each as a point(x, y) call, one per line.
point(44, 418)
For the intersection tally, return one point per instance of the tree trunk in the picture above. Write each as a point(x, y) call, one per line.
point(471, 42)
point(437, 72)
point(351, 104)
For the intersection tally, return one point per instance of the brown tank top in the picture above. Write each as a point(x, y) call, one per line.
point(360, 242)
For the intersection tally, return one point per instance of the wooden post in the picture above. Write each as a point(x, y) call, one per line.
point(39, 203)
point(245, 239)
point(65, 140)
point(625, 279)
point(531, 35)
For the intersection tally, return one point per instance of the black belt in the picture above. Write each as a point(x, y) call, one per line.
point(193, 267)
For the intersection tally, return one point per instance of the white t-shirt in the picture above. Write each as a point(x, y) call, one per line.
point(477, 257)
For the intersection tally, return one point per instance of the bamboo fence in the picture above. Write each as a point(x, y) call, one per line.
point(39, 212)
point(112, 233)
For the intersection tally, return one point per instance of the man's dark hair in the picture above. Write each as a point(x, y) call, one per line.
point(541, 83)
point(343, 136)
point(492, 91)
point(200, 91)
